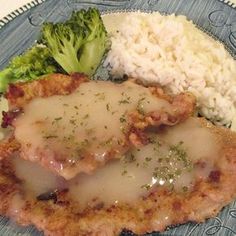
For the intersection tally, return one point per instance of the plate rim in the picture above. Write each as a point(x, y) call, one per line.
point(34, 3)
point(19, 11)
point(31, 5)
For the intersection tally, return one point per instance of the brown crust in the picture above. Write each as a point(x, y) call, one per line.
point(64, 218)
point(8, 146)
point(55, 84)
point(183, 106)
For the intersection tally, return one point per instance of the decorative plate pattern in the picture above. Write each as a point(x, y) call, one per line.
point(20, 29)
point(19, 11)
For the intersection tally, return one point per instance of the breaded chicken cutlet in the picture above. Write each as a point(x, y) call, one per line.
point(57, 213)
point(78, 125)
point(165, 167)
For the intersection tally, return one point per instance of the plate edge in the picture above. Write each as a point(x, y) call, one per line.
point(229, 3)
point(8, 18)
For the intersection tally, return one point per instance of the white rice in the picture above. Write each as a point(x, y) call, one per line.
point(171, 51)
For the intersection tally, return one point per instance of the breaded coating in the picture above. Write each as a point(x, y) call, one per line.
point(178, 108)
point(61, 216)
point(20, 94)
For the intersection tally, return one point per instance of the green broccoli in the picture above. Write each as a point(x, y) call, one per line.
point(28, 66)
point(5, 77)
point(78, 44)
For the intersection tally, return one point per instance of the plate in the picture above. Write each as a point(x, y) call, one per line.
point(20, 29)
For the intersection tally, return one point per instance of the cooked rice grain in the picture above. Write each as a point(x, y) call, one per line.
point(171, 51)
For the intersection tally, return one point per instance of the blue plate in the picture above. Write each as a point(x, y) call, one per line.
point(20, 29)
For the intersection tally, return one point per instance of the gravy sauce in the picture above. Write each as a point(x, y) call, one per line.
point(93, 119)
point(170, 160)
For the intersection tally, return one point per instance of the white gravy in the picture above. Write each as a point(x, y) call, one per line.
point(167, 161)
point(93, 118)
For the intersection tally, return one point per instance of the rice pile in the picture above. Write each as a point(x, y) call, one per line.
point(171, 51)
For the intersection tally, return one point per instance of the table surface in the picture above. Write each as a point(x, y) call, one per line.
point(10, 5)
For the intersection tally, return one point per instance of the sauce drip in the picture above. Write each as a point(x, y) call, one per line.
point(36, 179)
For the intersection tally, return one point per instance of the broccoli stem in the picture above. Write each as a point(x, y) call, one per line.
point(68, 59)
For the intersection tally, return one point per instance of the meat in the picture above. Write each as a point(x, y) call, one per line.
point(160, 170)
point(160, 208)
point(70, 125)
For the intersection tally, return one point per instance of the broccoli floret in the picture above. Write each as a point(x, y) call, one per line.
point(79, 43)
point(28, 66)
point(64, 45)
point(5, 77)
